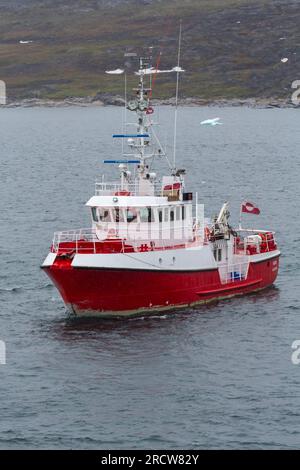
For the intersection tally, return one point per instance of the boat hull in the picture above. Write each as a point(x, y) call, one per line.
point(90, 292)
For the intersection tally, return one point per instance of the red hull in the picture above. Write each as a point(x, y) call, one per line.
point(117, 292)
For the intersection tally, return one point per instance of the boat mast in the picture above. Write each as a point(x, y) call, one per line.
point(176, 99)
point(141, 125)
point(140, 141)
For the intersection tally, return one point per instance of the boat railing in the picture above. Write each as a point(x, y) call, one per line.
point(86, 241)
point(233, 272)
point(115, 188)
point(265, 242)
point(60, 239)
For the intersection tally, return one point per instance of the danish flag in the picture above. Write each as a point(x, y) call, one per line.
point(250, 208)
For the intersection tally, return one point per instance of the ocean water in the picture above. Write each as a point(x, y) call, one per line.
point(217, 376)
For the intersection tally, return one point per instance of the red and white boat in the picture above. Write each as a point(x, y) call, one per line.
point(149, 248)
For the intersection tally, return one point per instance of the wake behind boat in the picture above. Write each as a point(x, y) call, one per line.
point(149, 247)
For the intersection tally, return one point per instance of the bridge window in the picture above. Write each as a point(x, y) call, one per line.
point(146, 214)
point(94, 214)
point(172, 215)
point(104, 215)
point(166, 214)
point(183, 212)
point(118, 215)
point(160, 215)
point(131, 215)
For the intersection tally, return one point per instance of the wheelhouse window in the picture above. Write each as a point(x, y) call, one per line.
point(94, 214)
point(172, 215)
point(146, 214)
point(166, 214)
point(118, 215)
point(131, 215)
point(104, 214)
point(160, 215)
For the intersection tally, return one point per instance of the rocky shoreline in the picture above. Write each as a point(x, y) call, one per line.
point(111, 100)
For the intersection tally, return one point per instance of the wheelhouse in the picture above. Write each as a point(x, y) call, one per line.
point(142, 218)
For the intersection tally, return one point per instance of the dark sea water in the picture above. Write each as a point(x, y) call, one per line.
point(218, 376)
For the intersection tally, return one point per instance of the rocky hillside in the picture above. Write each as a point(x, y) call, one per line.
point(231, 48)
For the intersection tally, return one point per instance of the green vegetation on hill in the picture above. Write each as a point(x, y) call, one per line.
point(231, 48)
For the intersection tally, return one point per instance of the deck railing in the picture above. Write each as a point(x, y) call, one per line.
point(86, 241)
point(134, 189)
point(60, 239)
point(246, 247)
point(233, 272)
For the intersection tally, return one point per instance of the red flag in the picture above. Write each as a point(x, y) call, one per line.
point(169, 187)
point(250, 208)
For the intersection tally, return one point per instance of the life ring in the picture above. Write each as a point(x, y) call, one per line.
point(264, 242)
point(111, 233)
point(149, 110)
point(207, 233)
point(263, 237)
point(122, 193)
